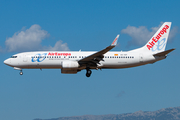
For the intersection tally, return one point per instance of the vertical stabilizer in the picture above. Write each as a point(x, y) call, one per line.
point(159, 40)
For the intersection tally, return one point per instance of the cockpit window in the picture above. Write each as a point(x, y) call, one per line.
point(13, 56)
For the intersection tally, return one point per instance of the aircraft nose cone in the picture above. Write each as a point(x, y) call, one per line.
point(7, 62)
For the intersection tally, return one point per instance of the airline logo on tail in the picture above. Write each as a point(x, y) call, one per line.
point(160, 45)
point(156, 39)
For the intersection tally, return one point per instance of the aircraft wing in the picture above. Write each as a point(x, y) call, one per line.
point(96, 57)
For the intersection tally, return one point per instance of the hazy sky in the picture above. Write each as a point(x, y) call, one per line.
point(87, 25)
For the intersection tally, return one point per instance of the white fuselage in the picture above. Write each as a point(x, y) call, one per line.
point(54, 59)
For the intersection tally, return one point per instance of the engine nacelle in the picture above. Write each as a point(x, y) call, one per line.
point(69, 67)
point(69, 71)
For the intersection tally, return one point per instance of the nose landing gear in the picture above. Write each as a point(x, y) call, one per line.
point(88, 72)
point(16, 68)
point(21, 73)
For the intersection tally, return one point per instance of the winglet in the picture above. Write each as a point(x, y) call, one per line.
point(115, 41)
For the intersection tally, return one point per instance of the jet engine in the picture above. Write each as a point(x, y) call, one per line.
point(69, 67)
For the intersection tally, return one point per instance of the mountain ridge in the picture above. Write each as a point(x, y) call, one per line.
point(171, 113)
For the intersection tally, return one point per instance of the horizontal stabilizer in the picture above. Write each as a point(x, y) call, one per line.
point(164, 53)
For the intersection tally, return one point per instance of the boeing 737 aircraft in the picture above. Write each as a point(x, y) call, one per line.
point(71, 62)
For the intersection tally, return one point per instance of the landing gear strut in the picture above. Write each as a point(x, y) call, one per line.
point(88, 72)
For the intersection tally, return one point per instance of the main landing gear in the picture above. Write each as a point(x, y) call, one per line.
point(88, 72)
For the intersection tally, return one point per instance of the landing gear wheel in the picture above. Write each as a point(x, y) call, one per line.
point(88, 73)
point(21, 73)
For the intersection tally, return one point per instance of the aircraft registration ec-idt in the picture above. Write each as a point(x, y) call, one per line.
point(71, 62)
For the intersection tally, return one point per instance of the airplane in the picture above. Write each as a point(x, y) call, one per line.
point(71, 62)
